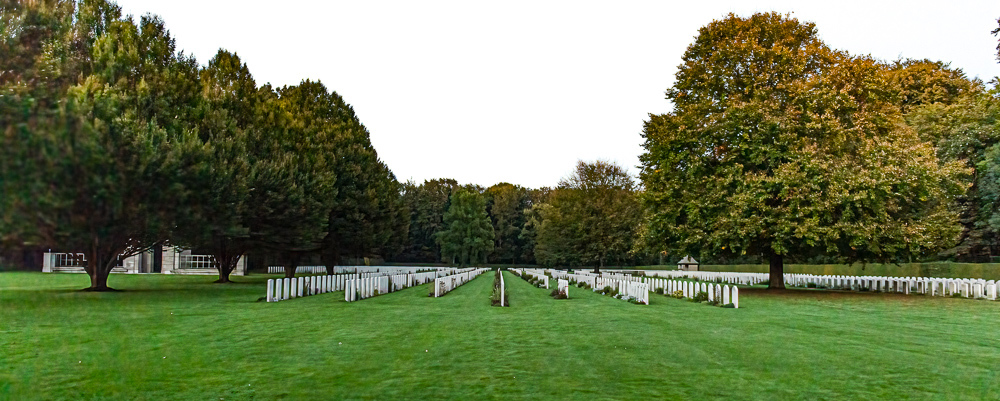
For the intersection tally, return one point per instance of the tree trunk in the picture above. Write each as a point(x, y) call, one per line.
point(99, 281)
point(330, 259)
point(777, 272)
point(98, 268)
point(227, 255)
point(224, 273)
point(291, 263)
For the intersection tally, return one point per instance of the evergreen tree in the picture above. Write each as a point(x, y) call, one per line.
point(468, 235)
point(99, 161)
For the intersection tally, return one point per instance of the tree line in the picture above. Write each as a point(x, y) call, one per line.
point(591, 218)
point(778, 148)
point(115, 142)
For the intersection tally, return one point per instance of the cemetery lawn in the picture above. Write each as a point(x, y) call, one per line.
point(179, 338)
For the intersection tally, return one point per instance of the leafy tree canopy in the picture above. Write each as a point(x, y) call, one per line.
point(468, 235)
point(590, 218)
point(779, 145)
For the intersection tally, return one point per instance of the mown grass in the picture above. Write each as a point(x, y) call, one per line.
point(171, 337)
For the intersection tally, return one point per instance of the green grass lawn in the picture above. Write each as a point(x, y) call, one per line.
point(176, 338)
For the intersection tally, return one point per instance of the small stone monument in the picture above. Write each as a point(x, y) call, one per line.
point(688, 263)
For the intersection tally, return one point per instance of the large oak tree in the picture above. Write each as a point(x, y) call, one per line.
point(778, 145)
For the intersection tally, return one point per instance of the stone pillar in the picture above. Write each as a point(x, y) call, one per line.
point(241, 267)
point(169, 261)
point(48, 260)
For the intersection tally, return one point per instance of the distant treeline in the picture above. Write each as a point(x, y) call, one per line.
point(778, 148)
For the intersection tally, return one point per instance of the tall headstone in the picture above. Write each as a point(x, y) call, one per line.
point(563, 287)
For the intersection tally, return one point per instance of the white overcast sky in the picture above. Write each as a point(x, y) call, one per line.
point(518, 91)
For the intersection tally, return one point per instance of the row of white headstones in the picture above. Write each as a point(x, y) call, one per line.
point(299, 269)
point(723, 294)
point(296, 287)
point(638, 287)
point(446, 284)
point(357, 286)
point(533, 273)
point(626, 289)
point(963, 287)
point(359, 289)
point(342, 269)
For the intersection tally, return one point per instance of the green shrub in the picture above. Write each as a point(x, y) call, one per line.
point(810, 285)
point(558, 294)
point(659, 290)
point(678, 294)
point(701, 296)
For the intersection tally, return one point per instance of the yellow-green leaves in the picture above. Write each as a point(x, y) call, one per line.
point(780, 145)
